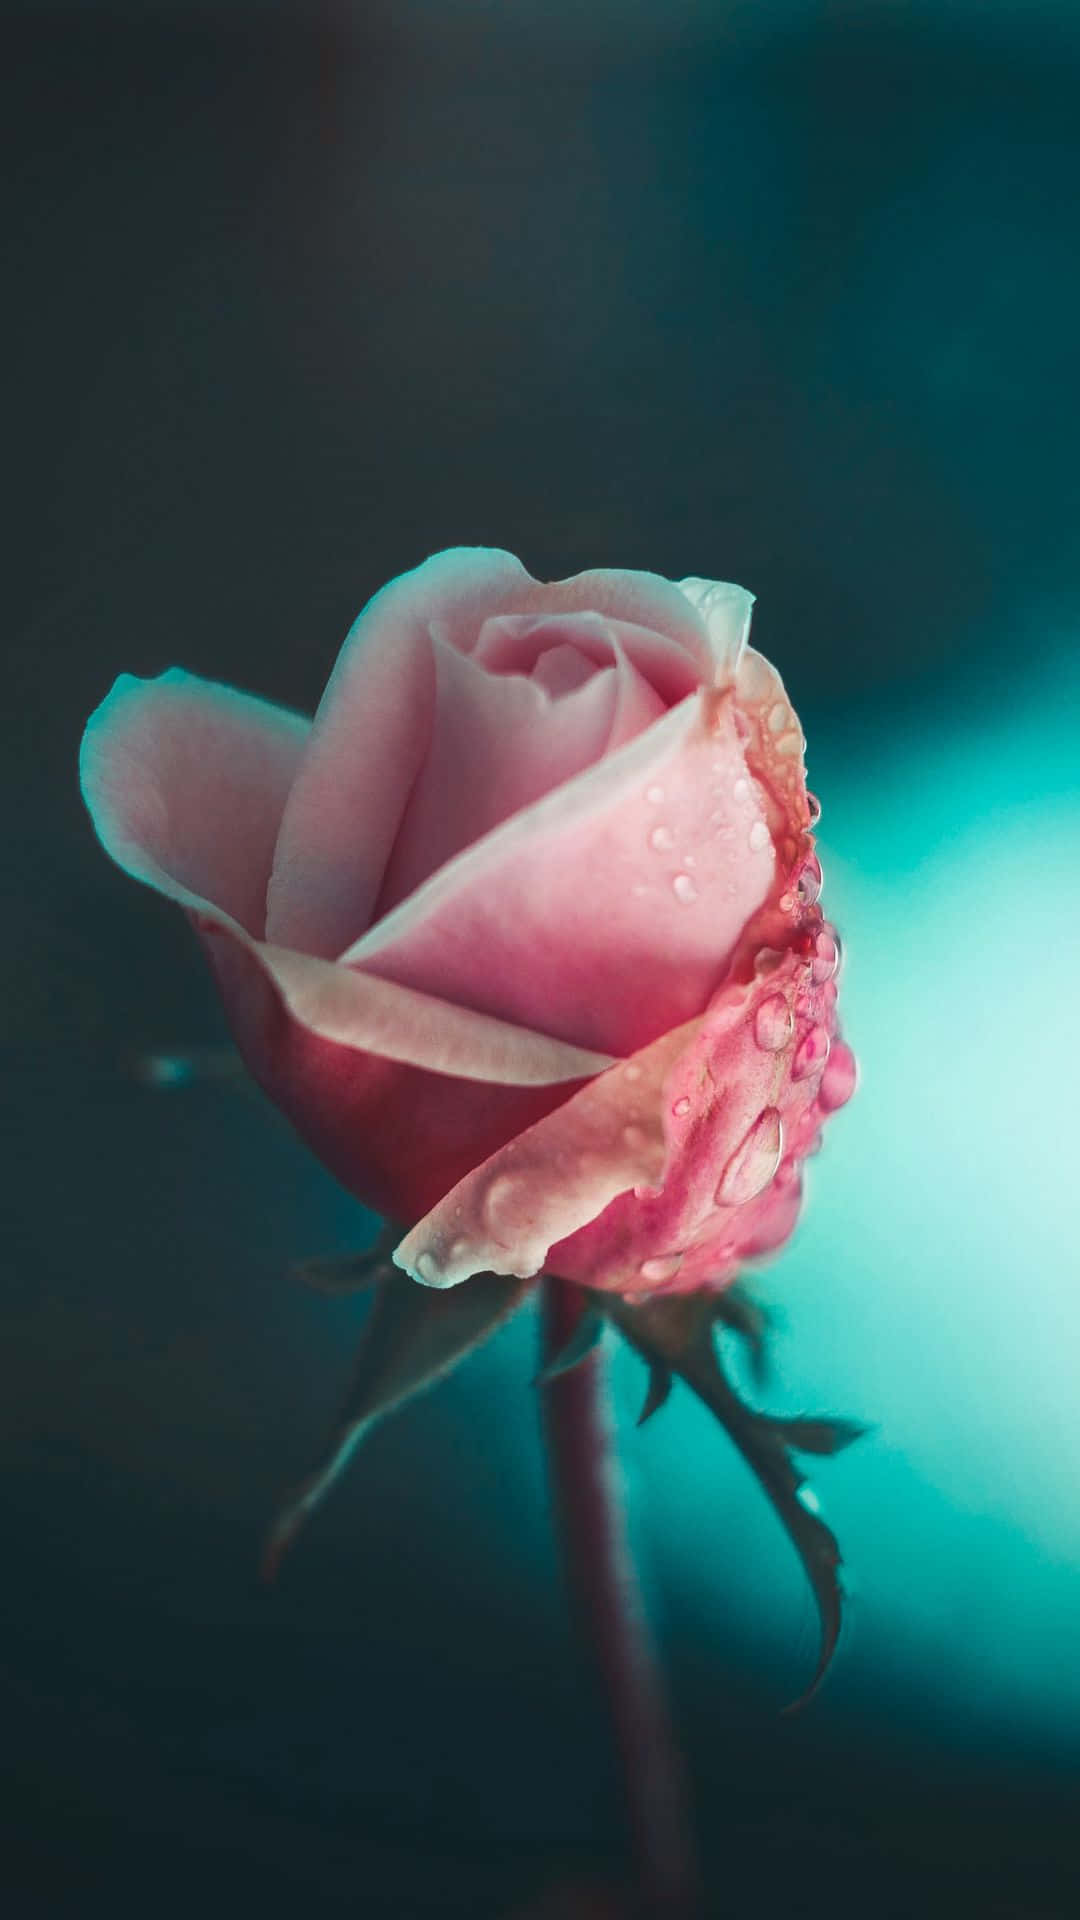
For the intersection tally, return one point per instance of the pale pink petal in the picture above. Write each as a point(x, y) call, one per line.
point(562, 669)
point(667, 1172)
point(396, 1134)
point(371, 736)
point(498, 742)
point(725, 611)
point(515, 643)
point(742, 1108)
point(608, 912)
point(645, 600)
point(554, 1177)
point(186, 782)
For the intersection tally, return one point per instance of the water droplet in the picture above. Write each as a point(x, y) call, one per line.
point(774, 1023)
point(786, 902)
point(663, 1267)
point(654, 795)
point(826, 956)
point(759, 836)
point(684, 889)
point(458, 1250)
point(662, 839)
point(502, 1205)
point(813, 808)
point(811, 1054)
point(838, 1079)
point(754, 1161)
point(632, 1070)
point(689, 860)
point(740, 790)
point(808, 885)
point(682, 1105)
point(428, 1268)
point(635, 1138)
point(789, 744)
point(778, 718)
point(807, 1498)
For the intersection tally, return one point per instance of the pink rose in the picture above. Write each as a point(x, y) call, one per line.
point(521, 932)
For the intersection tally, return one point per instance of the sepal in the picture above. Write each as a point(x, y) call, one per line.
point(411, 1338)
point(586, 1336)
point(337, 1274)
point(676, 1335)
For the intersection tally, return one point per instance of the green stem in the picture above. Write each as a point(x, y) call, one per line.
point(607, 1599)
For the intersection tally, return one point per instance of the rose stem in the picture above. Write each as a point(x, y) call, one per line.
point(607, 1599)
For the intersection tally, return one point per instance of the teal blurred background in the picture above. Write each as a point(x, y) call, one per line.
point(788, 295)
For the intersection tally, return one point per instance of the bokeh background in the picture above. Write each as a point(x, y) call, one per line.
point(782, 293)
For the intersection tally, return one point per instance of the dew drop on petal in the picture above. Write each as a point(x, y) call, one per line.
point(684, 889)
point(661, 839)
point(740, 790)
point(754, 1161)
point(458, 1250)
point(654, 795)
point(681, 1106)
point(826, 956)
point(807, 1498)
point(838, 1080)
point(632, 1070)
point(502, 1204)
point(635, 1138)
point(774, 1023)
point(778, 717)
point(786, 902)
point(813, 808)
point(759, 836)
point(688, 860)
point(811, 1054)
point(662, 1267)
point(428, 1268)
point(808, 885)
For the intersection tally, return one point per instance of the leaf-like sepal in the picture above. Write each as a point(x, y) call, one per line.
point(339, 1274)
point(412, 1337)
point(585, 1338)
point(659, 1387)
point(675, 1336)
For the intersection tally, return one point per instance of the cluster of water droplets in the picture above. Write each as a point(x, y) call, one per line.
point(792, 1021)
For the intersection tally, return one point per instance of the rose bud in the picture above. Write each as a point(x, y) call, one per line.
point(522, 931)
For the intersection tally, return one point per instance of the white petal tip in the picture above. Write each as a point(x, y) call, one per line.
point(424, 1268)
point(725, 610)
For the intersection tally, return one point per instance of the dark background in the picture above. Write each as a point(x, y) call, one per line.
point(783, 295)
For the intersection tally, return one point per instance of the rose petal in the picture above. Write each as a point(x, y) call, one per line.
point(186, 782)
point(645, 600)
point(664, 1173)
point(499, 743)
point(371, 736)
point(392, 1124)
point(373, 727)
point(555, 1176)
point(515, 643)
point(607, 912)
point(725, 611)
